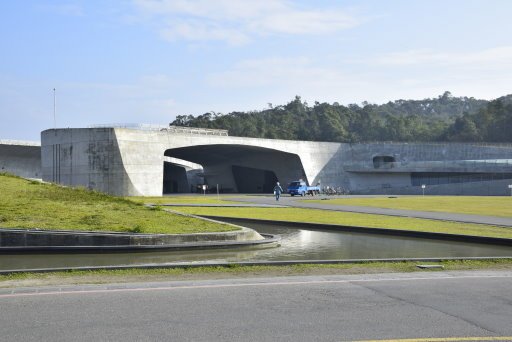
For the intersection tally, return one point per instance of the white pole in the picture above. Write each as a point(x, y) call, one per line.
point(218, 199)
point(54, 109)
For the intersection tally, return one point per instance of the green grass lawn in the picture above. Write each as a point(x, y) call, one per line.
point(30, 204)
point(187, 199)
point(478, 205)
point(353, 219)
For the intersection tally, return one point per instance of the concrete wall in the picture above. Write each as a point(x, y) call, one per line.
point(21, 158)
point(67, 238)
point(131, 162)
point(395, 178)
point(86, 157)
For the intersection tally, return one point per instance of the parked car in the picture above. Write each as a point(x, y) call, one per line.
point(302, 189)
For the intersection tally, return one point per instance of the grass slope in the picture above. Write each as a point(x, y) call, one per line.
point(353, 219)
point(31, 204)
point(478, 205)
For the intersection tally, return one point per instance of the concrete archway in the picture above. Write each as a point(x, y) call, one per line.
point(181, 176)
point(240, 168)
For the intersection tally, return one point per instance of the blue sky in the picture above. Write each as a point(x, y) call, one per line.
point(138, 61)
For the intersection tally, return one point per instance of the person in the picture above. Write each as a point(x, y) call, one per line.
point(277, 191)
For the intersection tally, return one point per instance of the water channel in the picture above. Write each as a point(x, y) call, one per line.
point(296, 244)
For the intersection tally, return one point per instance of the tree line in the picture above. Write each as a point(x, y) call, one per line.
point(445, 118)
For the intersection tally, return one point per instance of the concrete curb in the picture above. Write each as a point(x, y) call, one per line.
point(245, 263)
point(368, 230)
point(268, 239)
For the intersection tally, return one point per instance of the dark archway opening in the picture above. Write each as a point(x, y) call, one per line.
point(238, 168)
point(381, 162)
point(250, 180)
point(175, 179)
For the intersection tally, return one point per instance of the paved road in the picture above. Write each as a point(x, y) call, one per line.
point(329, 308)
point(297, 202)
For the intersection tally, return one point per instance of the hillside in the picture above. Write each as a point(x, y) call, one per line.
point(445, 118)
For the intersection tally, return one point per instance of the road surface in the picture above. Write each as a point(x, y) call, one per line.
point(421, 305)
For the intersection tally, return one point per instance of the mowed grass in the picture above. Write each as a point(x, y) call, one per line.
point(186, 199)
point(353, 219)
point(478, 205)
point(31, 204)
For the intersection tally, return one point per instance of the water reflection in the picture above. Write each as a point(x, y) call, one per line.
point(327, 245)
point(296, 244)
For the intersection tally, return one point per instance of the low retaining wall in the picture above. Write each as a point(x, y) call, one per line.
point(39, 237)
point(25, 240)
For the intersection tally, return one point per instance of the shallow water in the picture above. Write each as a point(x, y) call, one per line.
point(296, 244)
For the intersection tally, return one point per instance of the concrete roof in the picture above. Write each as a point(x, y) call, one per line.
point(19, 142)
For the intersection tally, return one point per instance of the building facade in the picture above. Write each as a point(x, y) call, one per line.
point(158, 160)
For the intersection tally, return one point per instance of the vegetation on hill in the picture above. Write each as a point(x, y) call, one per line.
point(31, 204)
point(445, 118)
point(491, 123)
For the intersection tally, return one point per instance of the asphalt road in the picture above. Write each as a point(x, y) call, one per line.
point(329, 308)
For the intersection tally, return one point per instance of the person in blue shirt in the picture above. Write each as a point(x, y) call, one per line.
point(277, 191)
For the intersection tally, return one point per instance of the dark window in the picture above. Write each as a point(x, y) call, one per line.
point(383, 161)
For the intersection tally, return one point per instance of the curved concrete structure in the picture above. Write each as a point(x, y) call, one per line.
point(21, 158)
point(15, 240)
point(133, 162)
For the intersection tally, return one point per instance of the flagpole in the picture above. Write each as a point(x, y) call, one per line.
point(54, 110)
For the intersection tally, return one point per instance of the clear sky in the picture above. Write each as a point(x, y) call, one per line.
point(146, 61)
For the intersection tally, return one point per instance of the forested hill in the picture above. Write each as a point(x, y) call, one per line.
point(445, 118)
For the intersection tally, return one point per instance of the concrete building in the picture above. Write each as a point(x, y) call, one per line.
point(156, 160)
point(22, 158)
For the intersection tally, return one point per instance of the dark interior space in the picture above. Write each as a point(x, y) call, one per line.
point(383, 162)
point(250, 180)
point(175, 179)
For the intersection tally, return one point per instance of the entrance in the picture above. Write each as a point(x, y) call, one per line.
point(250, 180)
point(175, 179)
